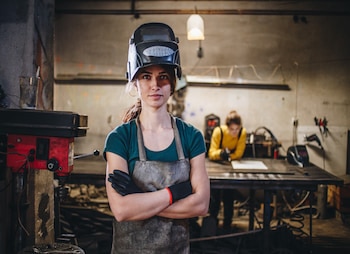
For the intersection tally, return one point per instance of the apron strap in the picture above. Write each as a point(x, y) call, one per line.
point(179, 150)
point(142, 152)
point(141, 147)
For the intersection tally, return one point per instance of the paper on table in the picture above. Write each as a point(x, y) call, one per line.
point(248, 164)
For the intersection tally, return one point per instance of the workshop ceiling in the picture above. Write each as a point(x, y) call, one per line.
point(218, 65)
point(185, 7)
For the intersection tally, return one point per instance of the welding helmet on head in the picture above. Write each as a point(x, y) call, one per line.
point(153, 44)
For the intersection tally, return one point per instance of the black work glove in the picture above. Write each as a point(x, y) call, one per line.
point(180, 190)
point(224, 155)
point(123, 183)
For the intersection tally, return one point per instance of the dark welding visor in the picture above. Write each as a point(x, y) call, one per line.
point(153, 44)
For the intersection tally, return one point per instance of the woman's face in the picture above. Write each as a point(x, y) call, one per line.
point(154, 86)
point(234, 129)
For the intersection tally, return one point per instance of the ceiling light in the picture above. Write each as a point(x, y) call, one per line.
point(195, 28)
point(195, 31)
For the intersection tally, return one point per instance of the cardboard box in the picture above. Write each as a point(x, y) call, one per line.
point(339, 197)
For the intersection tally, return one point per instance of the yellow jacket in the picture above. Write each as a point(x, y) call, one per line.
point(235, 144)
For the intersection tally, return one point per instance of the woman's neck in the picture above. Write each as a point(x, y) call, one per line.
point(155, 120)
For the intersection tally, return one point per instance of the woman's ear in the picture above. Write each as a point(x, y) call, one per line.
point(132, 89)
point(136, 87)
point(172, 87)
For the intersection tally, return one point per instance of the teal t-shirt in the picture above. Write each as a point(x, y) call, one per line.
point(123, 141)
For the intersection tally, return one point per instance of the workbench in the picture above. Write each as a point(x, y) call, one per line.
point(279, 175)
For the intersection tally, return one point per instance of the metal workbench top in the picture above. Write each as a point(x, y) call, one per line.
point(278, 175)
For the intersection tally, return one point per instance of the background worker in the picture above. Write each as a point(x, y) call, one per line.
point(227, 143)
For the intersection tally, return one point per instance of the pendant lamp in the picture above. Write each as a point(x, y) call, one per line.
point(195, 31)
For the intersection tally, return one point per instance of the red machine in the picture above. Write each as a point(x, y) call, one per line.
point(37, 140)
point(41, 139)
point(39, 152)
point(211, 121)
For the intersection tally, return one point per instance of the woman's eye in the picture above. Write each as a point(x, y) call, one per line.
point(146, 76)
point(163, 77)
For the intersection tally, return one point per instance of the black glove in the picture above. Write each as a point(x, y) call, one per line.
point(180, 190)
point(224, 155)
point(123, 183)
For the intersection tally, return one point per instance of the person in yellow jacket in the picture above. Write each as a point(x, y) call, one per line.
point(227, 143)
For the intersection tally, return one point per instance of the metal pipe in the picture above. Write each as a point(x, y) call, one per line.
point(95, 153)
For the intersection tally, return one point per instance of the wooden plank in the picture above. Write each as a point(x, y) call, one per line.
point(40, 215)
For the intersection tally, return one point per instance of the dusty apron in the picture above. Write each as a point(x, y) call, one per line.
point(156, 234)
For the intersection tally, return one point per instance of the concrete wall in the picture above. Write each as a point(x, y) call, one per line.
point(26, 42)
point(311, 56)
point(17, 47)
point(26, 53)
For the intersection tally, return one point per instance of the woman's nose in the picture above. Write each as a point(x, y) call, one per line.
point(154, 83)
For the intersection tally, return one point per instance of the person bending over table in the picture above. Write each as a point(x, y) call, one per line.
point(227, 143)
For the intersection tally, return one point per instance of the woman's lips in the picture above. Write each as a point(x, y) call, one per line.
point(156, 96)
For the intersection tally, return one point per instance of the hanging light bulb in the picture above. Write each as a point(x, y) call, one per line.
point(195, 31)
point(195, 28)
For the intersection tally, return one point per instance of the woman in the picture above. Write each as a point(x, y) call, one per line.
point(155, 177)
point(228, 143)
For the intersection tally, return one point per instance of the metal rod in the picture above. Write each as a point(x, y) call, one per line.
point(95, 153)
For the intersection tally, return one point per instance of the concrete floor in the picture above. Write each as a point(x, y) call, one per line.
point(331, 235)
point(287, 236)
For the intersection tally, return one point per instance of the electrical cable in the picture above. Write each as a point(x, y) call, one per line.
point(298, 207)
point(295, 122)
point(296, 224)
point(296, 219)
point(19, 214)
point(273, 138)
point(26, 169)
point(241, 204)
point(16, 171)
point(292, 209)
point(21, 193)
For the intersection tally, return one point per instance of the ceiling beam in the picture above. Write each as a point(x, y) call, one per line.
point(203, 12)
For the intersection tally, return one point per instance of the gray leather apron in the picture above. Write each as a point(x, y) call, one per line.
point(156, 234)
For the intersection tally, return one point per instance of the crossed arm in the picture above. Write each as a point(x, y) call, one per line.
point(140, 206)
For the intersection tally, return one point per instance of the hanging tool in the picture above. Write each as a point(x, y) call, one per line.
point(313, 137)
point(322, 125)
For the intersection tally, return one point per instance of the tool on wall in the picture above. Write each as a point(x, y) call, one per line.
point(320, 150)
point(313, 137)
point(322, 125)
